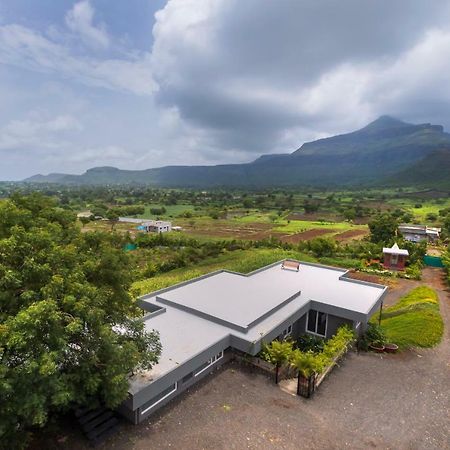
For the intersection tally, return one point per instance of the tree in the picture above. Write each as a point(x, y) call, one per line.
point(113, 216)
point(383, 228)
point(322, 246)
point(84, 220)
point(278, 352)
point(69, 332)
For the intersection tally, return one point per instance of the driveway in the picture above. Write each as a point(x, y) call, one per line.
point(372, 401)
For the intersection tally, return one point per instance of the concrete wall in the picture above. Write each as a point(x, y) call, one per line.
point(334, 323)
point(131, 408)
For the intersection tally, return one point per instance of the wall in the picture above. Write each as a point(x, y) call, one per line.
point(134, 402)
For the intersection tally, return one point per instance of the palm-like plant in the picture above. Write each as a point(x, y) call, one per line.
point(307, 364)
point(278, 352)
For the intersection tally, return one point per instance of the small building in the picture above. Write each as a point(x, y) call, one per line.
point(419, 233)
point(395, 257)
point(204, 321)
point(157, 226)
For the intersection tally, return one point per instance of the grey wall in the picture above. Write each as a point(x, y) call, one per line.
point(335, 322)
point(131, 407)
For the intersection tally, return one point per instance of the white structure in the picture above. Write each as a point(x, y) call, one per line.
point(419, 233)
point(157, 226)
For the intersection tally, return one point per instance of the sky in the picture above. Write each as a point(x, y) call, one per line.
point(136, 84)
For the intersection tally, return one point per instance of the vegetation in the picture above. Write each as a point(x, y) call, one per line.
point(311, 359)
point(414, 321)
point(278, 353)
point(68, 333)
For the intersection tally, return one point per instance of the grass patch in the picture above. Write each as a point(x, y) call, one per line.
point(243, 261)
point(414, 321)
point(297, 226)
point(171, 210)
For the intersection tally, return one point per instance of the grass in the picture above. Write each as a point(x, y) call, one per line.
point(414, 321)
point(243, 261)
point(171, 210)
point(297, 226)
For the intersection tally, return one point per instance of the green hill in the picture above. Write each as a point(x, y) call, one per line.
point(372, 155)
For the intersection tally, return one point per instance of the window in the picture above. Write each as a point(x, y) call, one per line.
point(187, 377)
point(208, 363)
point(285, 333)
point(317, 322)
point(147, 406)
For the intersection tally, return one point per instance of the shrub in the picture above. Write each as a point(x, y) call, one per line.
point(307, 343)
point(373, 335)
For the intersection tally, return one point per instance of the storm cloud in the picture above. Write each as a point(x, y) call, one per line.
point(209, 81)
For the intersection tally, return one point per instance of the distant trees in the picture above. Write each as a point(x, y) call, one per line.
point(68, 333)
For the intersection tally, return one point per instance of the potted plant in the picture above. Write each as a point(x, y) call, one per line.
point(390, 348)
point(377, 346)
point(376, 338)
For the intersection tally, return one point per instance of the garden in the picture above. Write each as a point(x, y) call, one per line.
point(311, 358)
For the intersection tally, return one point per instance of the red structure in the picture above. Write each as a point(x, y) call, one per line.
point(394, 258)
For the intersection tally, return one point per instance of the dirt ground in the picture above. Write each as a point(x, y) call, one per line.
point(371, 401)
point(306, 235)
point(351, 234)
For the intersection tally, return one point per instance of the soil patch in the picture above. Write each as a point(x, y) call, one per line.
point(306, 235)
point(351, 234)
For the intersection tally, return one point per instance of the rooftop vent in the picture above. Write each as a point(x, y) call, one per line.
point(291, 265)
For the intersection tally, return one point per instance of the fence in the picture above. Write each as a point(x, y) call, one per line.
point(285, 371)
point(433, 261)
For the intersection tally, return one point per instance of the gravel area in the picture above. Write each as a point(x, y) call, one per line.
point(371, 401)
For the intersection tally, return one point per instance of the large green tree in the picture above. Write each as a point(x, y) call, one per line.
point(383, 228)
point(69, 330)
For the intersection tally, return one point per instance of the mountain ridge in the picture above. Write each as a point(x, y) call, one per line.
point(368, 156)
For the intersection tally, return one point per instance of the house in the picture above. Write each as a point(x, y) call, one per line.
point(419, 233)
point(156, 226)
point(202, 322)
point(395, 257)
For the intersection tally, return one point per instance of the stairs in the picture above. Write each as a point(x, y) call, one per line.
point(97, 424)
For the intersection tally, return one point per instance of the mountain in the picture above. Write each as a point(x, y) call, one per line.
point(433, 170)
point(372, 155)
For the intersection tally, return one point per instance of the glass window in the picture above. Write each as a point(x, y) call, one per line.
point(312, 317)
point(317, 322)
point(158, 398)
point(321, 324)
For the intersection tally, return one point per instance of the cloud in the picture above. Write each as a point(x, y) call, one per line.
point(256, 80)
point(80, 19)
point(28, 49)
point(223, 80)
point(35, 132)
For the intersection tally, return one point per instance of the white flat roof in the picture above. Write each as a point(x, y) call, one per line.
point(204, 311)
point(235, 300)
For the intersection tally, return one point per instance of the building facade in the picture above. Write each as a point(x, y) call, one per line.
point(394, 258)
point(203, 321)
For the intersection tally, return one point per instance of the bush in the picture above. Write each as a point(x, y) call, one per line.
point(307, 343)
point(373, 335)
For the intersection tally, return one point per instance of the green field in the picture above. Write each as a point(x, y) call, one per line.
point(171, 210)
point(414, 321)
point(298, 226)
